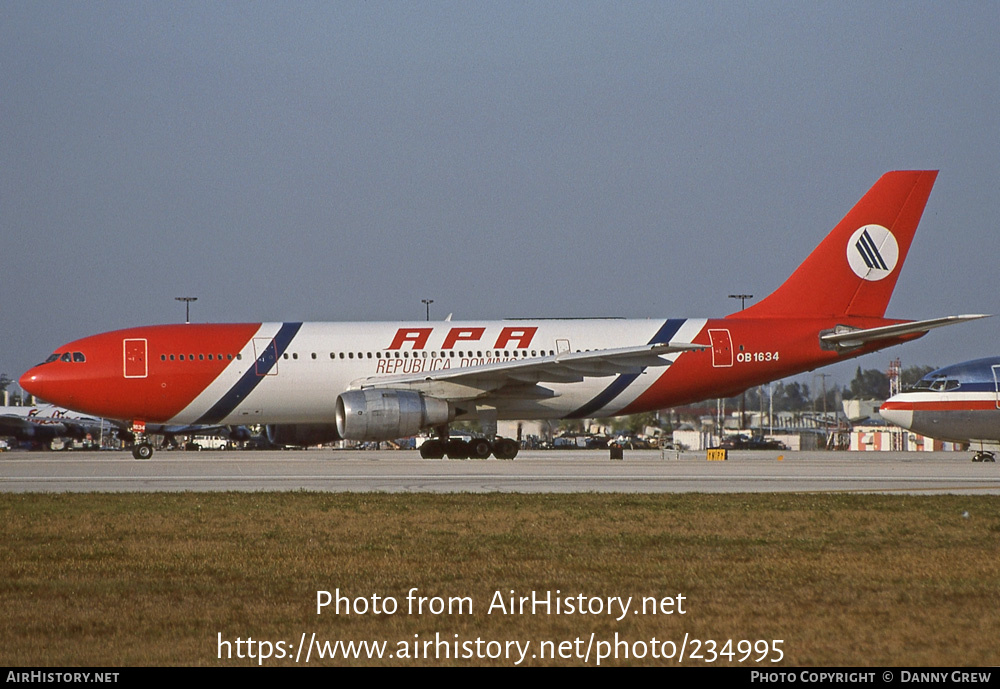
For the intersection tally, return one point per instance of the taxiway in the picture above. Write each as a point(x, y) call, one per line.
point(532, 472)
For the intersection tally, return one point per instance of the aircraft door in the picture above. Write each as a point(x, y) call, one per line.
point(722, 348)
point(266, 354)
point(562, 346)
point(996, 383)
point(134, 356)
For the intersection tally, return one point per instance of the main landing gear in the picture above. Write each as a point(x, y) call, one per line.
point(477, 448)
point(983, 456)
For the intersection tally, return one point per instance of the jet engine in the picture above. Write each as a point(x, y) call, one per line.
point(388, 414)
point(301, 434)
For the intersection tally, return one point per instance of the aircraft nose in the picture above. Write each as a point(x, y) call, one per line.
point(897, 413)
point(33, 382)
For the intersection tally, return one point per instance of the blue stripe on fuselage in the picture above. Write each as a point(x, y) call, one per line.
point(619, 384)
point(252, 377)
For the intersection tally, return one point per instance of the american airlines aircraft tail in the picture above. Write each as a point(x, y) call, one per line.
point(317, 382)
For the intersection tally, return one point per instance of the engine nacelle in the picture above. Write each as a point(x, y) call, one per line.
point(388, 414)
point(301, 434)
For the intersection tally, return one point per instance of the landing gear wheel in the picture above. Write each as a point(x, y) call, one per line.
point(505, 448)
point(432, 449)
point(457, 449)
point(984, 456)
point(480, 448)
point(142, 451)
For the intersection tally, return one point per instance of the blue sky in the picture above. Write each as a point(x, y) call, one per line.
point(343, 161)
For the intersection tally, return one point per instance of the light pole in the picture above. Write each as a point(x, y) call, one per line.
point(743, 396)
point(427, 303)
point(187, 306)
point(742, 297)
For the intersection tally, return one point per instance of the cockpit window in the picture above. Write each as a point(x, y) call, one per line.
point(925, 384)
point(938, 385)
point(69, 357)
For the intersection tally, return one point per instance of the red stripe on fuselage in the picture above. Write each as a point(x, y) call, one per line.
point(99, 385)
point(941, 405)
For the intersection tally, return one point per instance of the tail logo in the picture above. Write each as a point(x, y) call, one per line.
point(872, 252)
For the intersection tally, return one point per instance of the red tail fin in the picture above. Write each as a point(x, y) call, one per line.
point(854, 270)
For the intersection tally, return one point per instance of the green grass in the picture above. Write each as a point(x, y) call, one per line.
point(152, 579)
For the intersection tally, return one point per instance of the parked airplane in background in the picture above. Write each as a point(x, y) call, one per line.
point(318, 382)
point(46, 423)
point(960, 403)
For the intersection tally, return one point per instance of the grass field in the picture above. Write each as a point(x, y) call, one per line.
point(154, 579)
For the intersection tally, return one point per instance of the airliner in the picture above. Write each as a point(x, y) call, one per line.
point(310, 383)
point(960, 403)
point(42, 424)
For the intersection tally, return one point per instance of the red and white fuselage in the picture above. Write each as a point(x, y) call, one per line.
point(292, 372)
point(385, 380)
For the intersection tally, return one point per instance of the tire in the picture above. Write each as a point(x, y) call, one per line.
point(457, 449)
point(480, 448)
point(142, 451)
point(505, 448)
point(432, 449)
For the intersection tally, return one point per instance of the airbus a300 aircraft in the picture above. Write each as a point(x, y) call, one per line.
point(317, 382)
point(960, 403)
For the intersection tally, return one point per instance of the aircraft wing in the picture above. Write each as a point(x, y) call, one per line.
point(470, 382)
point(26, 423)
point(843, 337)
point(11, 424)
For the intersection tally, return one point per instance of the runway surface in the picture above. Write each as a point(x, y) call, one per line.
point(647, 471)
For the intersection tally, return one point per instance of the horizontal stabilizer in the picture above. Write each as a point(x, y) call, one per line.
point(843, 337)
